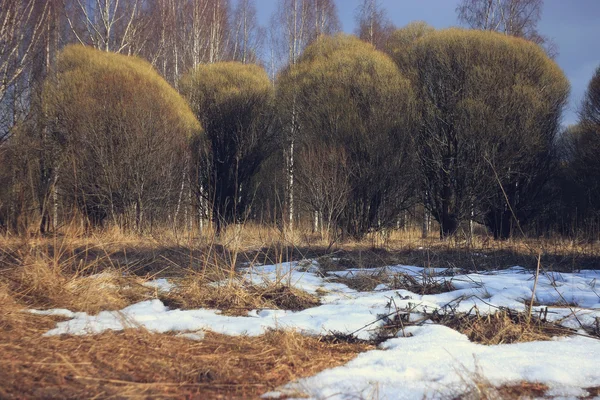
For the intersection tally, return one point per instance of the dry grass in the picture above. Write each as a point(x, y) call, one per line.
point(368, 281)
point(106, 271)
point(475, 386)
point(41, 279)
point(236, 297)
point(139, 364)
point(502, 327)
point(481, 389)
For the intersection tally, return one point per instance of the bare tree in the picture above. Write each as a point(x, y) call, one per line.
point(512, 17)
point(324, 183)
point(108, 25)
point(372, 24)
point(247, 35)
point(21, 26)
point(583, 145)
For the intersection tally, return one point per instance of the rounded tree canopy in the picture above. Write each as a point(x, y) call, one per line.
point(486, 61)
point(498, 86)
point(216, 88)
point(94, 86)
point(401, 41)
point(489, 102)
point(348, 102)
point(345, 82)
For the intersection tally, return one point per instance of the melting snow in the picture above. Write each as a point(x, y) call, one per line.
point(433, 362)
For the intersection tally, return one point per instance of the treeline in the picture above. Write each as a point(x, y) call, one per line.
point(189, 125)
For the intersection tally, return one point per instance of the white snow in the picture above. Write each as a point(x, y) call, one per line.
point(161, 285)
point(435, 360)
point(60, 312)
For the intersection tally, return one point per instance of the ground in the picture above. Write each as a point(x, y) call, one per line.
point(131, 317)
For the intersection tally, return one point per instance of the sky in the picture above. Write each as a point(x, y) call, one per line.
point(574, 25)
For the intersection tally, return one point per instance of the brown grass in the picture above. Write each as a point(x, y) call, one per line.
point(483, 390)
point(367, 281)
point(501, 327)
point(236, 297)
point(139, 364)
point(41, 282)
point(106, 271)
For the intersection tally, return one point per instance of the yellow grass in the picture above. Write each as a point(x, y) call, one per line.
point(105, 270)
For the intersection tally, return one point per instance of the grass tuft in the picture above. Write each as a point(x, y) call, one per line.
point(236, 297)
point(368, 280)
point(502, 327)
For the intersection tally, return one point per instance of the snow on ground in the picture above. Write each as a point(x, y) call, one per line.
point(438, 362)
point(161, 285)
point(434, 360)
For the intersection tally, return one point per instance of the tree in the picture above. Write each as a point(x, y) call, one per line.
point(399, 48)
point(512, 17)
point(21, 27)
point(353, 108)
point(232, 101)
point(589, 113)
point(401, 41)
point(32, 32)
point(372, 24)
point(177, 35)
point(294, 25)
point(490, 108)
point(247, 35)
point(584, 145)
point(108, 25)
point(122, 135)
point(299, 22)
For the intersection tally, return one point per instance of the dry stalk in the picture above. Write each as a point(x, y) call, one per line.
point(535, 282)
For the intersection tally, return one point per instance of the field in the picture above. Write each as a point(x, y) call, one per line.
point(257, 312)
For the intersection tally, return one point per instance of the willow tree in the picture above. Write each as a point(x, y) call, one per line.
point(402, 40)
point(121, 136)
point(584, 141)
point(490, 108)
point(233, 102)
point(353, 111)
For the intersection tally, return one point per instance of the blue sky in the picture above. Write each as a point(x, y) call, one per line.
point(574, 25)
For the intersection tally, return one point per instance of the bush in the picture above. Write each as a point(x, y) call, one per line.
point(121, 136)
point(351, 112)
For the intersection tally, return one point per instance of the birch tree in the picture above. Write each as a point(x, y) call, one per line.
point(21, 27)
point(372, 24)
point(511, 17)
point(109, 25)
point(295, 24)
point(247, 35)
